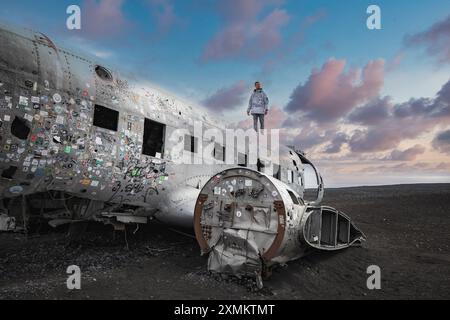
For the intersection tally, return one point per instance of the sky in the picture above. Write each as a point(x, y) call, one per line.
point(370, 107)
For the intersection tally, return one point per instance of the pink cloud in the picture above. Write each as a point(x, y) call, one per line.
point(266, 34)
point(330, 93)
point(406, 155)
point(374, 112)
point(244, 34)
point(443, 166)
point(243, 10)
point(103, 18)
point(389, 134)
point(387, 125)
point(382, 124)
point(421, 167)
point(228, 98)
point(438, 107)
point(337, 142)
point(310, 137)
point(293, 42)
point(228, 43)
point(436, 40)
point(275, 118)
point(395, 62)
point(443, 97)
point(442, 142)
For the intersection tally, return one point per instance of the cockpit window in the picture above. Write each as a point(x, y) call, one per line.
point(293, 197)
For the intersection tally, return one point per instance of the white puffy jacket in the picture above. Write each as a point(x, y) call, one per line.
point(259, 102)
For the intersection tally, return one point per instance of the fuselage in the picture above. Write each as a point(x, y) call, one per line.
point(69, 123)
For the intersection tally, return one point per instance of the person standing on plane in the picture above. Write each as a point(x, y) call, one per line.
point(258, 106)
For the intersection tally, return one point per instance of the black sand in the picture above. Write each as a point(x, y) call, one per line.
point(408, 230)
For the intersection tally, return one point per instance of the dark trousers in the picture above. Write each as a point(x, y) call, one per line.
point(255, 121)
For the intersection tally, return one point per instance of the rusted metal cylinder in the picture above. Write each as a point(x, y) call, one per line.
point(247, 220)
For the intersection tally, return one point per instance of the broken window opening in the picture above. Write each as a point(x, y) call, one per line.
point(260, 165)
point(190, 143)
point(106, 118)
point(293, 197)
point(219, 152)
point(242, 159)
point(9, 173)
point(290, 176)
point(20, 129)
point(300, 180)
point(277, 171)
point(154, 138)
point(329, 226)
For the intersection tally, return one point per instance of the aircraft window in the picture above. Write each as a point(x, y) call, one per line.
point(293, 197)
point(300, 180)
point(260, 165)
point(242, 159)
point(219, 152)
point(103, 73)
point(295, 163)
point(277, 171)
point(290, 176)
point(190, 143)
point(154, 133)
point(20, 129)
point(9, 173)
point(106, 118)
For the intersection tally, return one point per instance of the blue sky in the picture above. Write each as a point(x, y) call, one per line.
point(174, 43)
point(173, 59)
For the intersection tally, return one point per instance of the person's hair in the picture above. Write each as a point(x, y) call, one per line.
point(257, 83)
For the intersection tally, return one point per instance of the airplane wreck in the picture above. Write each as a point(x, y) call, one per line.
point(79, 142)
